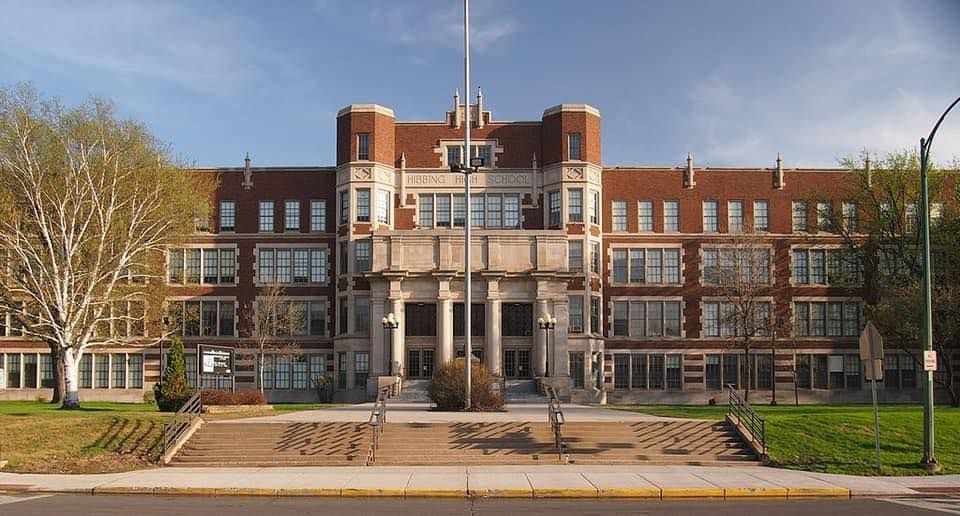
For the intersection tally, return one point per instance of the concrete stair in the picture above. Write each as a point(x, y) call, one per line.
point(413, 391)
point(439, 444)
point(276, 444)
point(701, 443)
point(522, 391)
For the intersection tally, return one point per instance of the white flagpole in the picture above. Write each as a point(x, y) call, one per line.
point(465, 158)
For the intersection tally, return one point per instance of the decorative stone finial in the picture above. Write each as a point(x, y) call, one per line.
point(247, 173)
point(778, 181)
point(479, 108)
point(688, 179)
point(869, 171)
point(455, 119)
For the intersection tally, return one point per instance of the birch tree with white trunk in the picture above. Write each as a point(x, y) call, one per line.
point(88, 204)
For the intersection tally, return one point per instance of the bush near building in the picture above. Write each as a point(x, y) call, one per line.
point(223, 397)
point(174, 390)
point(449, 386)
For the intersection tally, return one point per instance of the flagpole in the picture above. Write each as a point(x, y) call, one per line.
point(465, 158)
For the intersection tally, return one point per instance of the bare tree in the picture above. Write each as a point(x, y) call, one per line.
point(274, 323)
point(87, 205)
point(741, 274)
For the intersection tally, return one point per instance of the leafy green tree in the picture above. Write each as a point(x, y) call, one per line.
point(174, 390)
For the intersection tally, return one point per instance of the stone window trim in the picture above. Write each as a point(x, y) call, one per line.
point(309, 299)
point(609, 323)
point(650, 245)
point(506, 215)
point(131, 376)
point(318, 217)
point(238, 310)
point(623, 219)
point(664, 353)
point(818, 247)
point(714, 217)
point(493, 144)
point(236, 266)
point(826, 299)
point(720, 246)
point(721, 299)
point(309, 246)
point(227, 213)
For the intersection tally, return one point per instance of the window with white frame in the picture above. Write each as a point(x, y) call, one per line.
point(735, 216)
point(671, 216)
point(361, 315)
point(425, 208)
point(297, 372)
point(652, 265)
point(723, 319)
point(710, 217)
point(825, 267)
point(453, 155)
point(850, 218)
point(575, 205)
point(363, 205)
point(363, 258)
point(575, 255)
point(266, 216)
point(210, 266)
point(731, 266)
point(477, 204)
point(228, 216)
point(363, 146)
point(459, 211)
point(645, 216)
point(799, 216)
point(553, 208)
point(826, 318)
point(318, 215)
point(573, 146)
point(618, 216)
point(824, 215)
point(384, 206)
point(291, 265)
point(761, 215)
point(594, 207)
point(595, 319)
point(344, 206)
point(595, 257)
point(291, 215)
point(201, 318)
point(910, 218)
point(499, 211)
point(648, 318)
point(576, 314)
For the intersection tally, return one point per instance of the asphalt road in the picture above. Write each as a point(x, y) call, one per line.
point(236, 506)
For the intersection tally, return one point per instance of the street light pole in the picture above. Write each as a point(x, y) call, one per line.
point(390, 323)
point(547, 323)
point(929, 461)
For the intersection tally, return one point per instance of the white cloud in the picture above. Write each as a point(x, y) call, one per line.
point(160, 41)
point(423, 26)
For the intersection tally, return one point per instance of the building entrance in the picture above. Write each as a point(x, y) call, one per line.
point(516, 363)
point(420, 363)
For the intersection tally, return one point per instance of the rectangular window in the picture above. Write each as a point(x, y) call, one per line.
point(344, 206)
point(576, 314)
point(453, 155)
point(363, 205)
point(342, 316)
point(619, 265)
point(318, 265)
point(671, 266)
point(477, 320)
point(671, 216)
point(384, 206)
point(645, 216)
point(511, 210)
point(575, 255)
point(576, 371)
point(291, 216)
point(228, 216)
point(654, 265)
point(361, 315)
point(361, 367)
point(363, 146)
point(575, 205)
point(266, 216)
point(595, 322)
point(119, 367)
point(459, 211)
point(709, 216)
point(818, 266)
point(674, 372)
point(638, 371)
point(851, 367)
point(283, 266)
point(799, 216)
point(228, 265)
point(517, 319)
point(483, 151)
point(282, 372)
point(102, 376)
point(208, 318)
point(573, 146)
point(343, 255)
point(595, 207)
point(363, 258)
point(420, 320)
point(619, 216)
point(656, 372)
point(621, 318)
point(265, 274)
point(824, 215)
point(192, 266)
point(135, 364)
point(735, 216)
point(46, 370)
point(761, 216)
point(227, 316)
point(476, 210)
point(621, 371)
point(801, 267)
point(211, 266)
point(301, 265)
point(175, 266)
point(712, 373)
point(595, 257)
point(494, 211)
point(425, 205)
point(300, 373)
point(85, 371)
point(318, 317)
point(443, 210)
point(318, 215)
point(849, 212)
point(553, 208)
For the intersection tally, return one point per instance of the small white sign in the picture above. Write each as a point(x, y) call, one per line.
point(930, 360)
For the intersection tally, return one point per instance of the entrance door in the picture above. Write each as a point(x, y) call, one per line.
point(516, 363)
point(419, 363)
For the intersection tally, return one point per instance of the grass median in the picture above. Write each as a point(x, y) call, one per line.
point(839, 438)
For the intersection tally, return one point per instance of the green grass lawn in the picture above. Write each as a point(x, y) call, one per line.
point(100, 437)
point(839, 438)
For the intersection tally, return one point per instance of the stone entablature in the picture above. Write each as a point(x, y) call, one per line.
point(513, 179)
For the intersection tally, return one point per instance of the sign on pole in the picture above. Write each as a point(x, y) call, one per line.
point(929, 360)
point(871, 353)
point(215, 361)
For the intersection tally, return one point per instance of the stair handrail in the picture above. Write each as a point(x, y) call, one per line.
point(378, 416)
point(748, 419)
point(181, 421)
point(555, 417)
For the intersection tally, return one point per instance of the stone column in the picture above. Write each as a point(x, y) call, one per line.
point(379, 360)
point(445, 329)
point(540, 339)
point(396, 344)
point(559, 357)
point(493, 354)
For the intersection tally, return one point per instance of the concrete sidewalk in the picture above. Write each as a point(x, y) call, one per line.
point(651, 482)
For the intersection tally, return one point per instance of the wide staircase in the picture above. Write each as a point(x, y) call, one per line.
point(466, 444)
point(276, 444)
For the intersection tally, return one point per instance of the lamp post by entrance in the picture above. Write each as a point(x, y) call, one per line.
point(547, 323)
point(390, 323)
point(929, 461)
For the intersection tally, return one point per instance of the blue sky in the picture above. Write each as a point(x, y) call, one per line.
point(734, 82)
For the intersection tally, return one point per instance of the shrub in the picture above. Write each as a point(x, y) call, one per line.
point(249, 397)
point(224, 397)
point(324, 385)
point(174, 390)
point(448, 386)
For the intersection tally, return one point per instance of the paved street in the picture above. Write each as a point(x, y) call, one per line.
point(236, 506)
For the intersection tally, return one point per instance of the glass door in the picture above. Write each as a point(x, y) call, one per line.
point(420, 363)
point(510, 363)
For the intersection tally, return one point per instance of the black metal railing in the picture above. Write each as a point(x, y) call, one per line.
point(378, 416)
point(555, 417)
point(181, 421)
point(749, 420)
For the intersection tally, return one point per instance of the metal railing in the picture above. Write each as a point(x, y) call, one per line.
point(749, 420)
point(378, 416)
point(181, 421)
point(555, 417)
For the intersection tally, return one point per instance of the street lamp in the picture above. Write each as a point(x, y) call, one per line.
point(547, 323)
point(929, 461)
point(390, 323)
